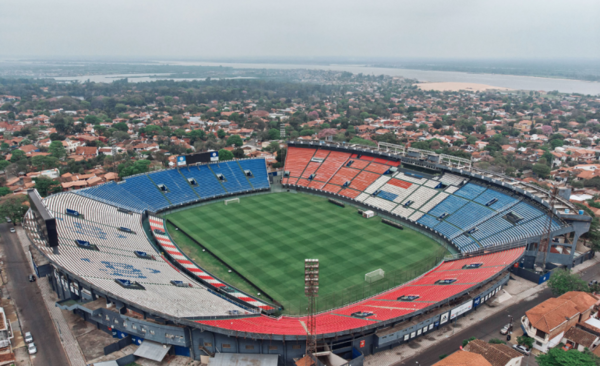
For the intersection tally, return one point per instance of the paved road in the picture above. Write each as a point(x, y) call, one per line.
point(28, 299)
point(488, 328)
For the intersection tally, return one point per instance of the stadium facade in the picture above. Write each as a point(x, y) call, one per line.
point(116, 266)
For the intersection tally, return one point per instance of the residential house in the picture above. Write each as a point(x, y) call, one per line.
point(548, 322)
point(496, 354)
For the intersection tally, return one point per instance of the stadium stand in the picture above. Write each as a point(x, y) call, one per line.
point(297, 159)
point(334, 161)
point(142, 192)
point(384, 306)
point(235, 180)
point(258, 167)
point(470, 191)
point(115, 259)
point(208, 185)
point(179, 191)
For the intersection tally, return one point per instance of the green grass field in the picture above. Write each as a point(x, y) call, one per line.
point(267, 237)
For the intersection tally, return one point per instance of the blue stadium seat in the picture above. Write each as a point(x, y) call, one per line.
point(113, 194)
point(490, 194)
point(446, 229)
point(468, 214)
point(470, 191)
point(449, 205)
point(208, 184)
point(179, 189)
point(258, 168)
point(143, 189)
point(428, 221)
point(387, 195)
point(235, 179)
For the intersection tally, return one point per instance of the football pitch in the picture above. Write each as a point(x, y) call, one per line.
point(267, 237)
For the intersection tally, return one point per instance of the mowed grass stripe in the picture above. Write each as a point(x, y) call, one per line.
point(267, 237)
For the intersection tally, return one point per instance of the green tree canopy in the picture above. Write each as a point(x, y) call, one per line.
point(17, 155)
point(57, 149)
point(4, 164)
point(46, 186)
point(14, 207)
point(221, 133)
point(274, 134)
point(235, 140)
point(137, 167)
point(41, 162)
point(562, 281)
point(542, 170)
point(558, 357)
point(225, 155)
point(4, 191)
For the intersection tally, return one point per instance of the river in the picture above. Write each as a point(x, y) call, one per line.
point(506, 81)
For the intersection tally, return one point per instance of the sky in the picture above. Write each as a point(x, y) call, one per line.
point(199, 29)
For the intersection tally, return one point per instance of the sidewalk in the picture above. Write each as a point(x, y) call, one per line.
point(514, 292)
point(66, 337)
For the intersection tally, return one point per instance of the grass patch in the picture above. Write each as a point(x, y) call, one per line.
point(267, 237)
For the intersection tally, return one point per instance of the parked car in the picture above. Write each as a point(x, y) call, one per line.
point(592, 283)
point(28, 337)
point(32, 278)
point(522, 349)
point(12, 230)
point(505, 329)
point(8, 219)
point(32, 348)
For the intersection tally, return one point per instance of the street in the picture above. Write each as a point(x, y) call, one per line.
point(33, 314)
point(488, 328)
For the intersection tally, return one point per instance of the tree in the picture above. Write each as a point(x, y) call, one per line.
point(273, 146)
point(558, 357)
point(274, 134)
point(4, 191)
point(471, 140)
point(525, 341)
point(239, 153)
point(17, 155)
point(41, 162)
point(221, 133)
point(542, 170)
point(13, 207)
point(121, 126)
point(4, 164)
point(225, 155)
point(57, 149)
point(129, 168)
point(562, 281)
point(235, 140)
point(46, 186)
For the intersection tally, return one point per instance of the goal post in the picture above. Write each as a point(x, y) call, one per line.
point(375, 275)
point(232, 200)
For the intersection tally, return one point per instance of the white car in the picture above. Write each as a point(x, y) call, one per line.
point(504, 330)
point(32, 348)
point(28, 337)
point(12, 230)
point(521, 349)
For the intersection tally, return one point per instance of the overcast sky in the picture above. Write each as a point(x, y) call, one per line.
point(172, 29)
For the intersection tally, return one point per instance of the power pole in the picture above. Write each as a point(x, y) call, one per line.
point(311, 290)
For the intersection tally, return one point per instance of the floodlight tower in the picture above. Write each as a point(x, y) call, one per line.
point(545, 245)
point(311, 290)
point(282, 130)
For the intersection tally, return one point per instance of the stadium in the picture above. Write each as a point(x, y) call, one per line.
point(208, 258)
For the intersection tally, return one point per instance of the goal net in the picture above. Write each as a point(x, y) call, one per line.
point(374, 275)
point(232, 200)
